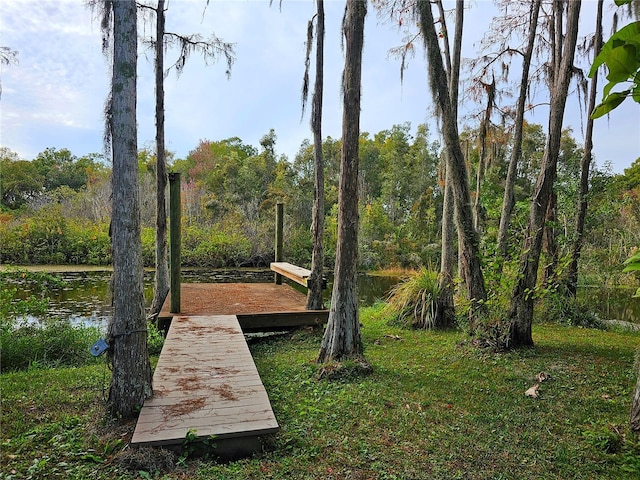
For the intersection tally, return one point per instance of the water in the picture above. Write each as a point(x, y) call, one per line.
point(85, 298)
point(613, 303)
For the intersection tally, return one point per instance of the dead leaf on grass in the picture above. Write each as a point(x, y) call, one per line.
point(542, 377)
point(533, 391)
point(394, 337)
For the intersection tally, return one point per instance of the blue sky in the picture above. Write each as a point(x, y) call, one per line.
point(55, 96)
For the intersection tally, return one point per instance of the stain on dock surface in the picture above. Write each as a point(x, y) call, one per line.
point(236, 298)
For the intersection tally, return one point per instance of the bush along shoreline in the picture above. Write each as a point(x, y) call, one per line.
point(59, 241)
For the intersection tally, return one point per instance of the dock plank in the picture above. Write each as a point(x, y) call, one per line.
point(205, 381)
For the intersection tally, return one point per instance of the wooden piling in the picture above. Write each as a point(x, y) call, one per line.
point(175, 219)
point(279, 241)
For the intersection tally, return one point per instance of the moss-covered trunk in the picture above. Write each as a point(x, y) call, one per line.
point(131, 371)
point(161, 280)
point(520, 314)
point(342, 337)
point(315, 283)
point(469, 256)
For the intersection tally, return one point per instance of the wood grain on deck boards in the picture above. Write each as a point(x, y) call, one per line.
point(260, 307)
point(205, 381)
point(235, 298)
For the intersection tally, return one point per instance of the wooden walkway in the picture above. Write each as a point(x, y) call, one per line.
point(206, 382)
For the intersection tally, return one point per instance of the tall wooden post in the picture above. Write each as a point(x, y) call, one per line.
point(175, 218)
point(279, 229)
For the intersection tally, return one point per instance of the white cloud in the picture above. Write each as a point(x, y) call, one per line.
point(55, 96)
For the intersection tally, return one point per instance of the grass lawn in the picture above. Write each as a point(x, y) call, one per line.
point(433, 408)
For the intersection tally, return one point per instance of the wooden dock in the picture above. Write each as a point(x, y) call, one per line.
point(207, 383)
point(260, 307)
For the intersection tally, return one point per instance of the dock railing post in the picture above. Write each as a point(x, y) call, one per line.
point(175, 217)
point(279, 242)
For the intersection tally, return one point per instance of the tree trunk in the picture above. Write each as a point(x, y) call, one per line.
point(635, 405)
point(342, 336)
point(131, 371)
point(161, 282)
point(448, 258)
point(550, 241)
point(520, 314)
point(585, 165)
point(315, 282)
point(482, 161)
point(470, 255)
point(509, 199)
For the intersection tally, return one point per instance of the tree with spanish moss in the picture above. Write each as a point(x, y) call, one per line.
point(446, 288)
point(520, 314)
point(315, 282)
point(399, 10)
point(127, 330)
point(469, 252)
point(342, 337)
point(585, 166)
point(210, 49)
point(509, 200)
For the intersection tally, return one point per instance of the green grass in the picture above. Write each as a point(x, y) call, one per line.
point(434, 408)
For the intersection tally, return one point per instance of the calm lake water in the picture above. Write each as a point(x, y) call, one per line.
point(85, 298)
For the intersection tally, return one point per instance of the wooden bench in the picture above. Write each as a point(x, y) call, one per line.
point(297, 274)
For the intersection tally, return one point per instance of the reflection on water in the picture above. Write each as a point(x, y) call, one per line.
point(85, 298)
point(613, 303)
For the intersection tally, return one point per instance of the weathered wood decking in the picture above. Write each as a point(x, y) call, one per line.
point(258, 306)
point(206, 382)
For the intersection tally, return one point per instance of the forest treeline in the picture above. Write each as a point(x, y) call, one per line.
point(56, 208)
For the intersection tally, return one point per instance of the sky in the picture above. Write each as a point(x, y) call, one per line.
point(54, 96)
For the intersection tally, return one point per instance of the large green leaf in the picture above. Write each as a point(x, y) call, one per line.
point(634, 267)
point(622, 63)
point(635, 93)
point(633, 259)
point(609, 103)
point(632, 263)
point(628, 35)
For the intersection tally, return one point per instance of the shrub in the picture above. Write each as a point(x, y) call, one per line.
point(55, 343)
point(208, 248)
point(88, 244)
point(155, 339)
point(23, 341)
point(48, 238)
point(560, 308)
point(414, 302)
point(298, 246)
point(148, 236)
point(490, 329)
